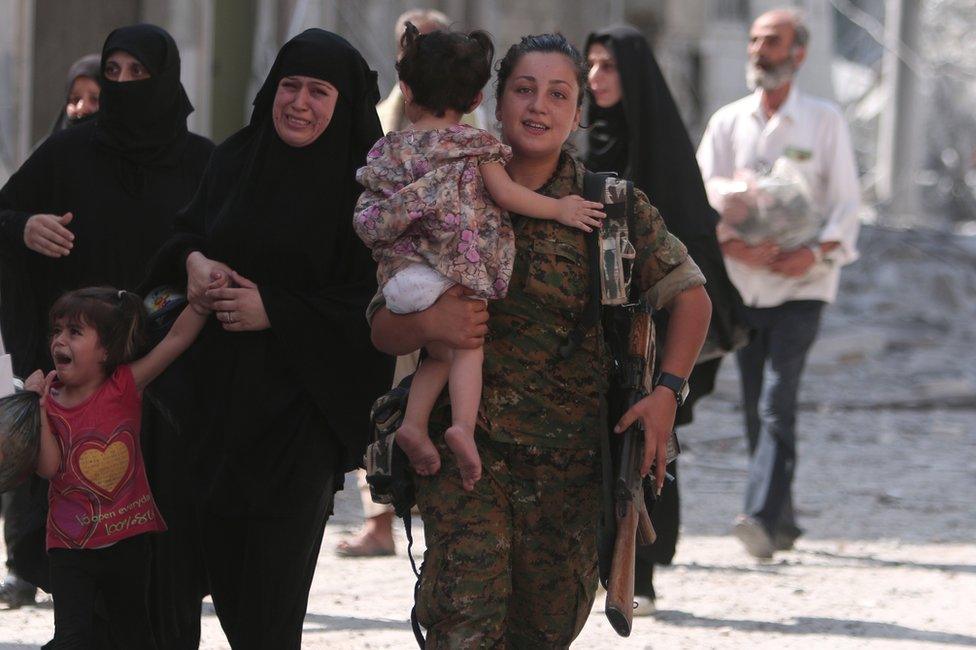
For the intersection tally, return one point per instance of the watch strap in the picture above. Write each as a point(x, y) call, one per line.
point(678, 385)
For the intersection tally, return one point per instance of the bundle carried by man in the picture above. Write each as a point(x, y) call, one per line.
point(776, 206)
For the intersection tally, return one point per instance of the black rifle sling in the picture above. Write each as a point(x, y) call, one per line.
point(593, 190)
point(418, 633)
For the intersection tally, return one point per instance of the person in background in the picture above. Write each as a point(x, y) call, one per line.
point(636, 131)
point(375, 538)
point(785, 290)
point(82, 89)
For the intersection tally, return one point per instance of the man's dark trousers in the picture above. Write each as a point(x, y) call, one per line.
point(770, 367)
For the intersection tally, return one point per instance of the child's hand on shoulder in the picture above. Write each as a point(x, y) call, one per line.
point(577, 212)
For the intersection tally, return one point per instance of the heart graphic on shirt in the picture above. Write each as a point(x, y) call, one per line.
point(105, 465)
point(75, 518)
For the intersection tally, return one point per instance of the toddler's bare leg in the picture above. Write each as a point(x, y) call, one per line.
point(428, 382)
point(465, 383)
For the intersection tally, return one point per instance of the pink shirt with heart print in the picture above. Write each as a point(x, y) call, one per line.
point(100, 494)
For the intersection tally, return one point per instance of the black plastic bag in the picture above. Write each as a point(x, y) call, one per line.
point(20, 437)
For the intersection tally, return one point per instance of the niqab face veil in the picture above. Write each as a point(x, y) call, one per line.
point(144, 121)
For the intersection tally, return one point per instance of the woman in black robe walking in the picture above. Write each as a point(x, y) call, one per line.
point(637, 131)
point(89, 207)
point(286, 373)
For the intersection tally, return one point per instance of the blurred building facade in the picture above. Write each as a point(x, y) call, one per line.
point(227, 46)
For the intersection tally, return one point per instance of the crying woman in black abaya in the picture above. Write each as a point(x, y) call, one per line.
point(286, 372)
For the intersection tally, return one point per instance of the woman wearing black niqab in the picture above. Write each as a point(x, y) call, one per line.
point(637, 131)
point(89, 207)
point(286, 371)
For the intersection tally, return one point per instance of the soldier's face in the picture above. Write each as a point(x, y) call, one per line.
point(604, 77)
point(539, 106)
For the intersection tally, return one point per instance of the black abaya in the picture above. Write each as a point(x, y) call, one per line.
point(282, 413)
point(643, 139)
point(124, 175)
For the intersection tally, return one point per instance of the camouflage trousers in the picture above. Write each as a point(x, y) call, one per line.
point(512, 564)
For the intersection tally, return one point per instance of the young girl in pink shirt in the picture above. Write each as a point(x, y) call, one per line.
point(99, 496)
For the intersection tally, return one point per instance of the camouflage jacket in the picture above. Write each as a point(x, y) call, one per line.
point(531, 395)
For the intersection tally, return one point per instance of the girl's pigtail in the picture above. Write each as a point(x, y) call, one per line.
point(133, 314)
point(483, 39)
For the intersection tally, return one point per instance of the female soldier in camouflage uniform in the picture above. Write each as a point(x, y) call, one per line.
point(513, 563)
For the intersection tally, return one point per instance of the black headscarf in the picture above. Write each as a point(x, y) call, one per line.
point(645, 134)
point(282, 217)
point(644, 139)
point(144, 121)
point(89, 66)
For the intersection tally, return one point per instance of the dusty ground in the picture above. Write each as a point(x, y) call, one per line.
point(886, 489)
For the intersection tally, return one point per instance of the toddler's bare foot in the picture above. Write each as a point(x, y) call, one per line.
point(420, 450)
point(461, 442)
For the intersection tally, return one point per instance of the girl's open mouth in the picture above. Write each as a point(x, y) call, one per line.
point(61, 359)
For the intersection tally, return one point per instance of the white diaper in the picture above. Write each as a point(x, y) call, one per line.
point(414, 289)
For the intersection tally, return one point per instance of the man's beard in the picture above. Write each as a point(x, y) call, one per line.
point(775, 77)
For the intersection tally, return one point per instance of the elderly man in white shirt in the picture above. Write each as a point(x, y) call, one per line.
point(785, 290)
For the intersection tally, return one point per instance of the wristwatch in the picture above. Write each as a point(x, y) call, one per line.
point(674, 383)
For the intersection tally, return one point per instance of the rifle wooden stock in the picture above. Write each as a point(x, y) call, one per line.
point(620, 588)
point(645, 529)
point(633, 521)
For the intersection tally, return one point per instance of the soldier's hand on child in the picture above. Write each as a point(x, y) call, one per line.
point(456, 320)
point(577, 212)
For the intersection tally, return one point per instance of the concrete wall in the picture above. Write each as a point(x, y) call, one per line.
point(65, 30)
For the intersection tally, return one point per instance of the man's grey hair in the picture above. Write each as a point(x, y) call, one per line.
point(419, 17)
point(801, 33)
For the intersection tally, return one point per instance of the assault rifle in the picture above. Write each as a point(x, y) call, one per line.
point(634, 364)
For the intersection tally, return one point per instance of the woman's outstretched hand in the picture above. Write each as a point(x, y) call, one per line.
point(577, 212)
point(656, 413)
point(239, 307)
point(46, 234)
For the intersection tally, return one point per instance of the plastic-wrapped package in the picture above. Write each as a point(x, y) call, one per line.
point(20, 437)
point(780, 208)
